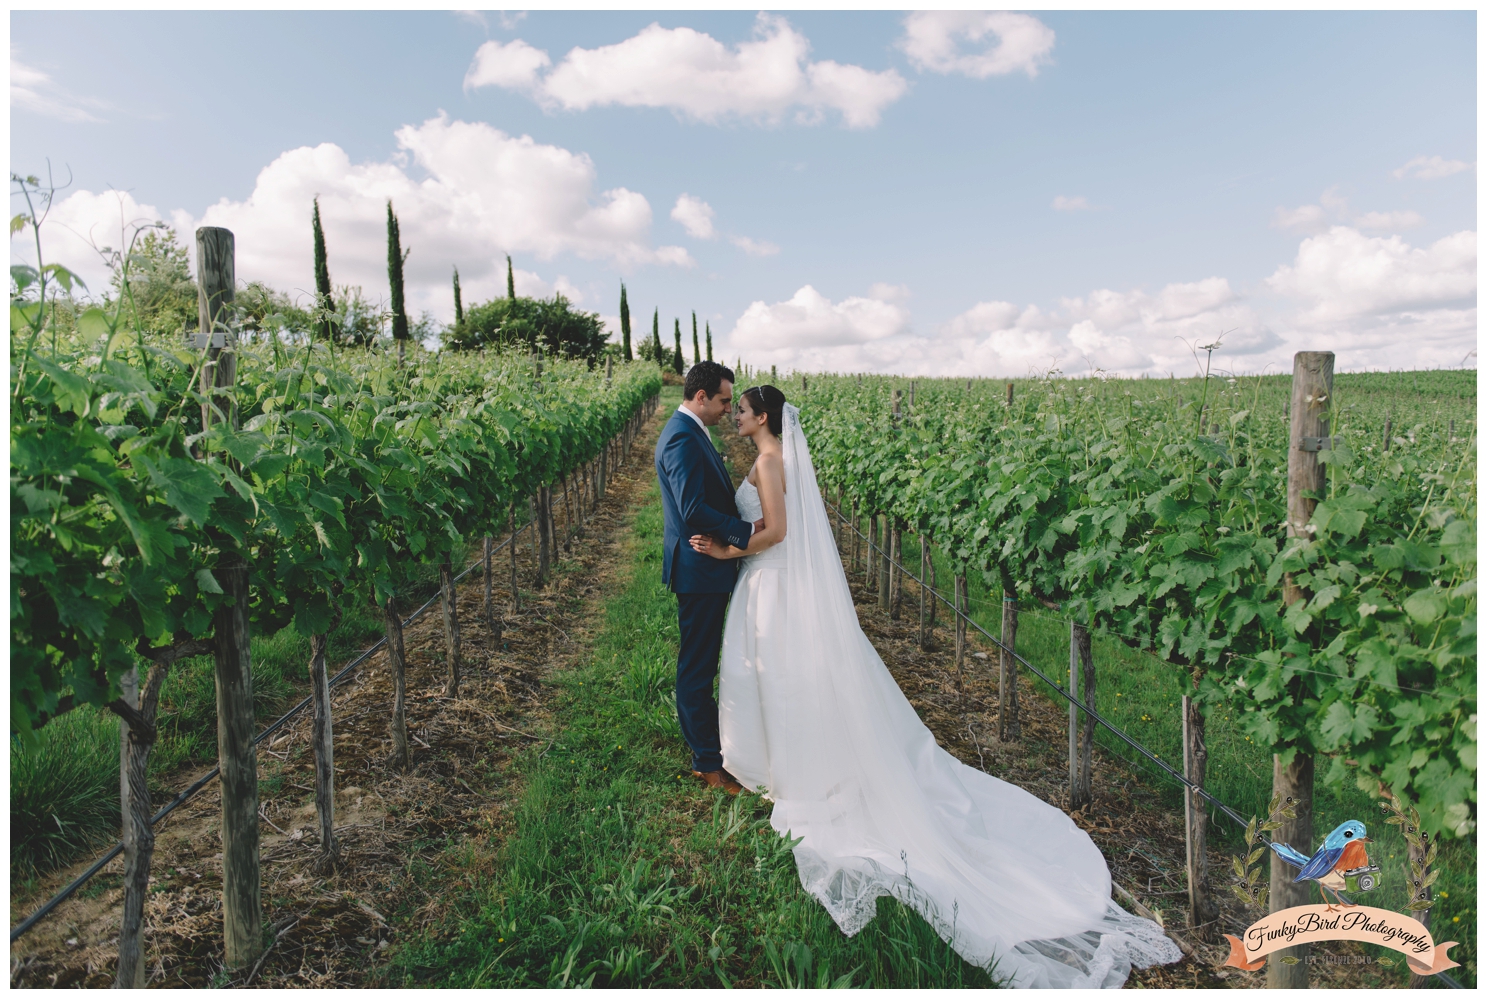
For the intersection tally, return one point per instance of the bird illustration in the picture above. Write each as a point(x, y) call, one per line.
point(1342, 851)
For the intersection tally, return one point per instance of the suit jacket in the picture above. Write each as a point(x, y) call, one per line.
point(696, 498)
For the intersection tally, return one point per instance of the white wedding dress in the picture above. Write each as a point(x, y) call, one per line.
point(810, 717)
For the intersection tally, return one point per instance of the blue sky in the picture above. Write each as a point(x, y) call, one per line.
point(938, 194)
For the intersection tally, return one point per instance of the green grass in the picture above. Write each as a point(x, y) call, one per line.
point(1141, 694)
point(64, 793)
point(620, 872)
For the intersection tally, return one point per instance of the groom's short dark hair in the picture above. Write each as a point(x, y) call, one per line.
point(706, 376)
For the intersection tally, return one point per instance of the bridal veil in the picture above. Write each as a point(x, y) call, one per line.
point(880, 809)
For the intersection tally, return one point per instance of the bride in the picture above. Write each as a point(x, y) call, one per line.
point(811, 718)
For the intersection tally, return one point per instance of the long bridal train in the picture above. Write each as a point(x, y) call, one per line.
point(811, 717)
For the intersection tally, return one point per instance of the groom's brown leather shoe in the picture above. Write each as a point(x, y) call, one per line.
point(719, 779)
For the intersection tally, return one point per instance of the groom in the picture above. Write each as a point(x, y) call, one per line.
point(697, 498)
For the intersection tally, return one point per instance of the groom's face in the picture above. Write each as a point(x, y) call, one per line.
point(712, 409)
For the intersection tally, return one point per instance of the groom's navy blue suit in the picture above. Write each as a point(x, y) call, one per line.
point(697, 498)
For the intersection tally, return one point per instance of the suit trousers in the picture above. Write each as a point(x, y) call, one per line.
point(701, 616)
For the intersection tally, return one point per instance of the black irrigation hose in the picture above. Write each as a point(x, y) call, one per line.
point(1225, 809)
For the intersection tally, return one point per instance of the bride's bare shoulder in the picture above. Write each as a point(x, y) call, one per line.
point(770, 466)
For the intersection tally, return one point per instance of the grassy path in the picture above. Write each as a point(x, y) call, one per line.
point(620, 871)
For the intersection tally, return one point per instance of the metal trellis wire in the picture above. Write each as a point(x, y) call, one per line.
point(1182, 779)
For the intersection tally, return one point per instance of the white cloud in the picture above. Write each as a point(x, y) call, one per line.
point(34, 90)
point(882, 291)
point(1388, 221)
point(810, 319)
point(754, 247)
point(1119, 332)
point(1306, 218)
point(1431, 168)
point(1077, 203)
point(81, 225)
point(514, 65)
point(1005, 42)
point(696, 76)
point(1334, 209)
point(1343, 274)
point(479, 195)
point(696, 216)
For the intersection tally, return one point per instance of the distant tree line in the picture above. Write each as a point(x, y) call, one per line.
point(162, 296)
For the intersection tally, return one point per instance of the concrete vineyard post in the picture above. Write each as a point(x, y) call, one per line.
point(216, 275)
point(323, 743)
point(448, 602)
point(242, 910)
point(1309, 405)
point(1202, 911)
point(392, 628)
point(1388, 429)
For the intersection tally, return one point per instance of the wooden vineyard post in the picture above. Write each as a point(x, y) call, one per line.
point(962, 598)
point(1009, 395)
point(137, 834)
point(1081, 730)
point(1009, 722)
point(242, 910)
point(1311, 392)
point(492, 620)
point(541, 538)
point(1202, 912)
point(1388, 429)
point(323, 744)
point(448, 601)
point(896, 577)
point(923, 579)
point(855, 536)
point(934, 582)
point(885, 565)
point(392, 628)
point(515, 593)
point(216, 274)
point(870, 553)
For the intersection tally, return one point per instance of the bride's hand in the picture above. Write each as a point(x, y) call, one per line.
point(704, 544)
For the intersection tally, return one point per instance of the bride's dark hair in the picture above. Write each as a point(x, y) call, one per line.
point(770, 401)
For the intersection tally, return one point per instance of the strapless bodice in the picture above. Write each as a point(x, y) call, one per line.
point(747, 499)
point(750, 509)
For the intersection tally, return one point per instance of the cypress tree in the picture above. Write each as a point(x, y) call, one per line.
point(625, 322)
point(660, 354)
point(323, 301)
point(395, 258)
point(696, 350)
point(709, 341)
point(676, 359)
point(459, 307)
point(510, 281)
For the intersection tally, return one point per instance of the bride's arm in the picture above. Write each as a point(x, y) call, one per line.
point(771, 475)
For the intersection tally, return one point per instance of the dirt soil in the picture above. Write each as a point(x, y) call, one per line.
point(1142, 839)
point(332, 931)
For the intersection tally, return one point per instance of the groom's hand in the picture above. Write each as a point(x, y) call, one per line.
point(758, 525)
